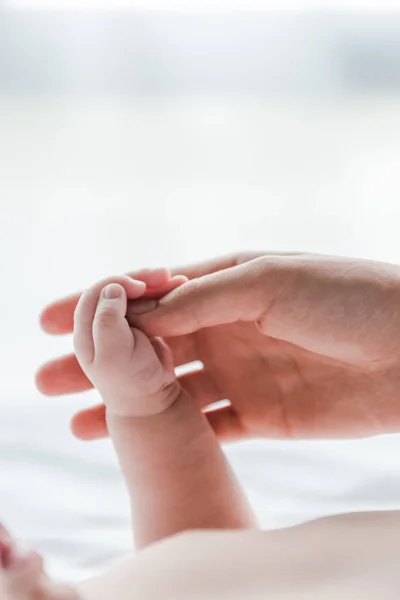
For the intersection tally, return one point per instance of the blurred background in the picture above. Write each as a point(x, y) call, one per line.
point(132, 138)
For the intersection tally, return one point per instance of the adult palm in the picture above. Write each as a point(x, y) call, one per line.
point(302, 346)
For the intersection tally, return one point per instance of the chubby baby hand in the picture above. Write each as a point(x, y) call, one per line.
point(133, 373)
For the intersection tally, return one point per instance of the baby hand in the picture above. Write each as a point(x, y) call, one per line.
point(22, 576)
point(133, 374)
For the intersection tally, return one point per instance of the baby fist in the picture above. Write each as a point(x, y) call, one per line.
point(133, 374)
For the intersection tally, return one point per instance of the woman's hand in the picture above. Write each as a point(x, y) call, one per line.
point(302, 346)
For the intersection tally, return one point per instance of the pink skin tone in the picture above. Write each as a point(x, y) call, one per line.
point(162, 439)
point(22, 576)
point(176, 474)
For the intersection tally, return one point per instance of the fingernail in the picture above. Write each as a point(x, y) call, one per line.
point(137, 307)
point(112, 291)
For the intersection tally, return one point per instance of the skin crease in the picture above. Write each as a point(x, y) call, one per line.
point(303, 346)
point(161, 438)
point(316, 323)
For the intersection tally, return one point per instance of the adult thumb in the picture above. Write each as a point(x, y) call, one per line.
point(239, 293)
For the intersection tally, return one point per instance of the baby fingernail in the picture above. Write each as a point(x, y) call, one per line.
point(142, 306)
point(112, 291)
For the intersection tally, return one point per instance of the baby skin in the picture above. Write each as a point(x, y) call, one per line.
point(22, 576)
point(175, 471)
point(176, 474)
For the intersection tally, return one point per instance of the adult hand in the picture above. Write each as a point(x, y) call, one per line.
point(301, 345)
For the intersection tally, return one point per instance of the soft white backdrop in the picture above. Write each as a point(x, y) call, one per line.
point(92, 185)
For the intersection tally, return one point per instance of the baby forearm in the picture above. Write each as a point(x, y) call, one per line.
point(176, 473)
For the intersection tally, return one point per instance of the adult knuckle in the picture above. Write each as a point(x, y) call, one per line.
point(276, 271)
point(270, 277)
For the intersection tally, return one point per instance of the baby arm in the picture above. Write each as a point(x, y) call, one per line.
point(176, 474)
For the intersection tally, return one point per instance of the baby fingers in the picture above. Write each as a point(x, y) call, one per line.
point(111, 333)
point(90, 306)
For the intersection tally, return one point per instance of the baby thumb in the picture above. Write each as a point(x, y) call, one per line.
point(227, 296)
point(109, 325)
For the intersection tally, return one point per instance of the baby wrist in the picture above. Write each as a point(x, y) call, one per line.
point(149, 406)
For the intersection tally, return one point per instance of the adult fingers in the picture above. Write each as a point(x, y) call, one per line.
point(240, 293)
point(338, 307)
point(225, 262)
point(64, 375)
point(61, 376)
point(90, 423)
point(58, 317)
point(171, 284)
